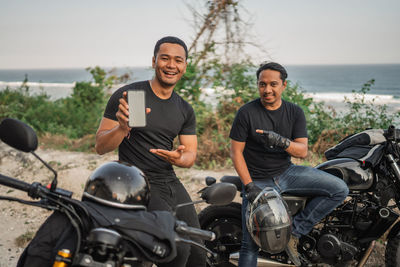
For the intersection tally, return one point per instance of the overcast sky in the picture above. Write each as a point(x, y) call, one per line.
point(118, 33)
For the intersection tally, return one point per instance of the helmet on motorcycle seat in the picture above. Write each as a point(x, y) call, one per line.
point(268, 221)
point(118, 184)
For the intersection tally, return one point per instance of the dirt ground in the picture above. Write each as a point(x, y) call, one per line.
point(18, 221)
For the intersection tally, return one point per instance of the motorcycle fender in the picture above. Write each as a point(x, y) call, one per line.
point(394, 231)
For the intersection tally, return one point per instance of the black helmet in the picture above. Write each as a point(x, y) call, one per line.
point(268, 221)
point(118, 184)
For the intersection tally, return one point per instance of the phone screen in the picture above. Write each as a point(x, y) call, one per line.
point(137, 108)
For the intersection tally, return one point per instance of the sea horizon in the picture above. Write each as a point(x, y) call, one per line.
point(327, 83)
point(149, 66)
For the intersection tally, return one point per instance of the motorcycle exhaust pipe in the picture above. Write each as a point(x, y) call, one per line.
point(234, 259)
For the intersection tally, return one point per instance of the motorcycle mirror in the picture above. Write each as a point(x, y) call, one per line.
point(210, 180)
point(219, 194)
point(18, 135)
point(21, 136)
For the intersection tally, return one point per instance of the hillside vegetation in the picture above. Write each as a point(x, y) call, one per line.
point(71, 123)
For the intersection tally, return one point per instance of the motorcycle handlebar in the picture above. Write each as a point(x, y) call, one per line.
point(182, 228)
point(34, 190)
point(391, 130)
point(14, 183)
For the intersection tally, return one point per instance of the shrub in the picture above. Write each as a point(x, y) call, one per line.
point(74, 116)
point(365, 114)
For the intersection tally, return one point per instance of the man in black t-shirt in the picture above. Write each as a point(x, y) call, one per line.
point(151, 148)
point(265, 134)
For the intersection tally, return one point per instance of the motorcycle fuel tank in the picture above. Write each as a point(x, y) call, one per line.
point(350, 171)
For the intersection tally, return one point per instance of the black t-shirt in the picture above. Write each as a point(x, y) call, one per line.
point(167, 119)
point(288, 120)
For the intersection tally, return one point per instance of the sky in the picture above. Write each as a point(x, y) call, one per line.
point(38, 34)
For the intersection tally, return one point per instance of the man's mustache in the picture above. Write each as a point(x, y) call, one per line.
point(267, 94)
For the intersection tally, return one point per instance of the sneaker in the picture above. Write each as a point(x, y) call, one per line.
point(291, 250)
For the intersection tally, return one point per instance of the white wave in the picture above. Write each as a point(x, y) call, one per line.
point(53, 90)
point(35, 84)
point(210, 95)
point(340, 97)
point(334, 100)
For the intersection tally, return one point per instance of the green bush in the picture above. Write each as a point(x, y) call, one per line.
point(365, 114)
point(316, 116)
point(37, 110)
point(75, 116)
point(83, 111)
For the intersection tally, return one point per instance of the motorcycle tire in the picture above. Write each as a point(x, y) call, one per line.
point(392, 253)
point(226, 223)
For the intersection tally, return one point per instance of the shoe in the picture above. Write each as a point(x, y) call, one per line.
point(291, 250)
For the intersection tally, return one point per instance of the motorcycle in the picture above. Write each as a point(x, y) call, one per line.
point(369, 163)
point(106, 244)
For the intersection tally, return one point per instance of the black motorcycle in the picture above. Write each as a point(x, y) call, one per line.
point(369, 163)
point(125, 238)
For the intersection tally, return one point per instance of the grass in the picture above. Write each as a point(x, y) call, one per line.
point(22, 240)
point(63, 142)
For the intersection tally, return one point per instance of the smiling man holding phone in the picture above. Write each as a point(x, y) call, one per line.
point(150, 147)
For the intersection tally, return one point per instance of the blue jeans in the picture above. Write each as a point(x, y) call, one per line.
point(327, 190)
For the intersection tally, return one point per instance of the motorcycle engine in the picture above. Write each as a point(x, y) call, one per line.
point(328, 246)
point(331, 248)
point(384, 188)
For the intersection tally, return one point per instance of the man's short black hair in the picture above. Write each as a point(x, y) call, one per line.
point(171, 40)
point(272, 66)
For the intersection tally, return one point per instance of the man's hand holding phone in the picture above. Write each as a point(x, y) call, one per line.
point(137, 108)
point(124, 112)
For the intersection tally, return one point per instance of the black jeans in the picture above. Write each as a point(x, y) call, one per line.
point(166, 194)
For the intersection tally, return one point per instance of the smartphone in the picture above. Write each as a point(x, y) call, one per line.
point(137, 108)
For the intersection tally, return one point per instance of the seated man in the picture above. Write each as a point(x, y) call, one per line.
point(265, 134)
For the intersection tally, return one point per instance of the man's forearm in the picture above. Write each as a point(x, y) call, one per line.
point(186, 160)
point(241, 167)
point(297, 149)
point(109, 140)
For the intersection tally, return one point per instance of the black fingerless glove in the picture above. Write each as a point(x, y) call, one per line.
point(276, 140)
point(252, 191)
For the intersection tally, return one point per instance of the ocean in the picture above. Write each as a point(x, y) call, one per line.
point(328, 83)
point(58, 83)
